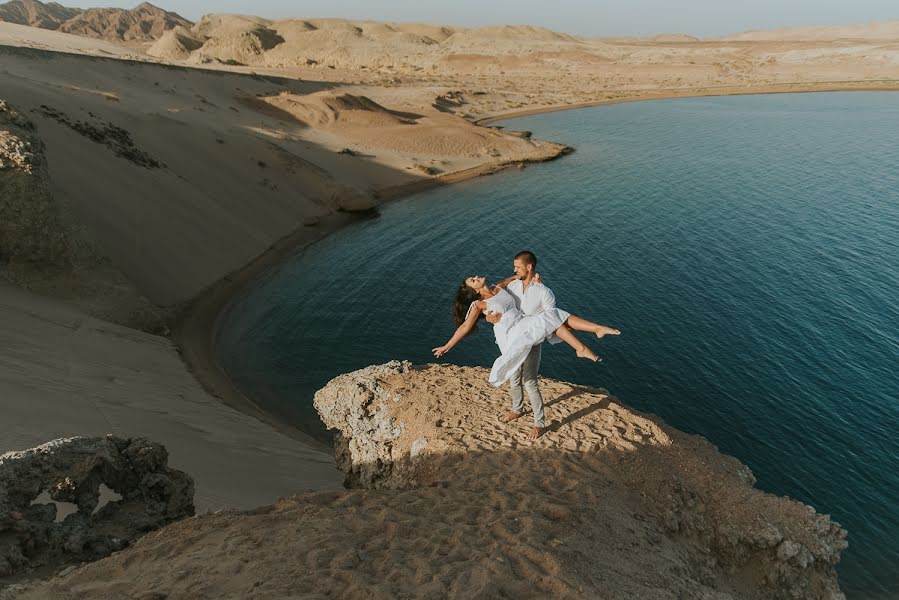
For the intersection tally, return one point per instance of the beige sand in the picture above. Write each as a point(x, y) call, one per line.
point(609, 504)
point(66, 374)
point(236, 177)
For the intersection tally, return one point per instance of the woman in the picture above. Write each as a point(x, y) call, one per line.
point(515, 333)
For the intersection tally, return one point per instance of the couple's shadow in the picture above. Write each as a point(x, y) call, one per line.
point(574, 392)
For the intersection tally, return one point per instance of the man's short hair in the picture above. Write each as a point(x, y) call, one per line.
point(527, 257)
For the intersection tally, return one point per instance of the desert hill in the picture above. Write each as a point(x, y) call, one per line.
point(143, 23)
point(885, 31)
point(184, 176)
point(37, 14)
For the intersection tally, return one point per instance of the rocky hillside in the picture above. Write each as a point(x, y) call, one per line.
point(247, 40)
point(447, 502)
point(37, 14)
point(143, 23)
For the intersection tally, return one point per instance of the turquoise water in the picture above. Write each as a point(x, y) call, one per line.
point(747, 247)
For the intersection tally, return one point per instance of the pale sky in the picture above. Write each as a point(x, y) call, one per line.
point(580, 17)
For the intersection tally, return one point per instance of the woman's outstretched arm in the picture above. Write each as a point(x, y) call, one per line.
point(461, 331)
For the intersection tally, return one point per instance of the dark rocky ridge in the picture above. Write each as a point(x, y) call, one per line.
point(143, 23)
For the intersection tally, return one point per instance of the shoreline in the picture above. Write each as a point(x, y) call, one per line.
point(196, 325)
point(706, 92)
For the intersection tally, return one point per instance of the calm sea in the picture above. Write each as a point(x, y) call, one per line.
point(747, 247)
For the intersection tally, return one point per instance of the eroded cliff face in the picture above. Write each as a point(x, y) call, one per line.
point(31, 225)
point(42, 249)
point(445, 501)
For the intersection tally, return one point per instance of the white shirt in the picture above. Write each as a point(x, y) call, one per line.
point(533, 300)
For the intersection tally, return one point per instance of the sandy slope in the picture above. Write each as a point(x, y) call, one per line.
point(12, 34)
point(65, 373)
point(609, 504)
point(219, 178)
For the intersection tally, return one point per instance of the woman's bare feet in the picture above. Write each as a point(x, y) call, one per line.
point(587, 353)
point(602, 330)
point(536, 432)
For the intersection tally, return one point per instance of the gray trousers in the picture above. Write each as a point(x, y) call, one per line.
point(525, 379)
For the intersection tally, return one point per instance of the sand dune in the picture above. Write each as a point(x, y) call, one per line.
point(176, 43)
point(211, 181)
point(65, 373)
point(12, 34)
point(432, 136)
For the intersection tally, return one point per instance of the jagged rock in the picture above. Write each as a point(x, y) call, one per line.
point(31, 224)
point(356, 405)
point(72, 470)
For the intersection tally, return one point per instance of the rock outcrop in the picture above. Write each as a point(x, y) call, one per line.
point(356, 406)
point(42, 248)
point(72, 470)
point(398, 427)
point(448, 502)
point(32, 226)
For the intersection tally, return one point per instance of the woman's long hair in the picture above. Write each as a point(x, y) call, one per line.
point(464, 297)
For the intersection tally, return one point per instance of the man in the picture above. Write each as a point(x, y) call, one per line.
point(531, 297)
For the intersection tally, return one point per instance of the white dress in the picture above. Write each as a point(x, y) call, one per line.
point(517, 333)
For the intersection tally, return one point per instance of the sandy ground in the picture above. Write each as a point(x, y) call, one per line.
point(608, 504)
point(222, 171)
point(64, 373)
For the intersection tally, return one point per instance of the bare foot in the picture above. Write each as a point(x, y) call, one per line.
point(603, 330)
point(587, 353)
point(510, 416)
point(536, 432)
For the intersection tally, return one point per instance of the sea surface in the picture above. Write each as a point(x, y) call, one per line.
point(746, 247)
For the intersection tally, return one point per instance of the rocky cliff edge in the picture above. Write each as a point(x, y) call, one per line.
point(447, 502)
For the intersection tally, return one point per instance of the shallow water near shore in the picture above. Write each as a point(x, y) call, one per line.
point(747, 247)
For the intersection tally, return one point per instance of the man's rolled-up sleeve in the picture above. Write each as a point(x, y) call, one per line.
point(549, 299)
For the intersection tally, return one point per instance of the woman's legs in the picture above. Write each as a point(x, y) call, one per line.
point(583, 351)
point(579, 324)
